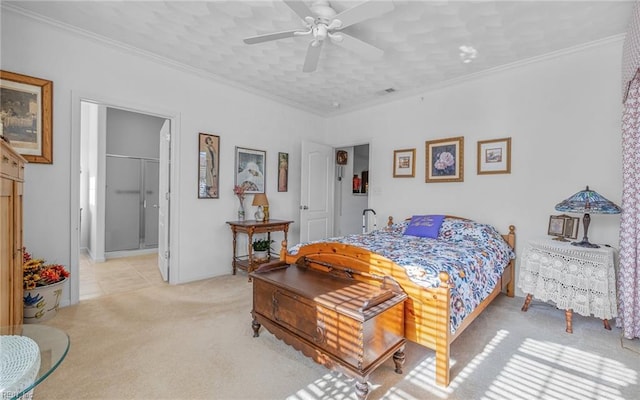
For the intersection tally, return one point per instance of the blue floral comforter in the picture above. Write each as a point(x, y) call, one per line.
point(473, 254)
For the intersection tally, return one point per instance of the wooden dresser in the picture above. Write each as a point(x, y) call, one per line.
point(344, 324)
point(11, 182)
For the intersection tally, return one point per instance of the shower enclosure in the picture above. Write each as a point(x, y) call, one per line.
point(131, 210)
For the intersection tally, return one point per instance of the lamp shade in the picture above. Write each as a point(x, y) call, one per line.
point(260, 199)
point(588, 201)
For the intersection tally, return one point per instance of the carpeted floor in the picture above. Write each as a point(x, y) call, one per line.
point(195, 341)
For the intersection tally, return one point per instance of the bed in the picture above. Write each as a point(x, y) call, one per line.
point(450, 277)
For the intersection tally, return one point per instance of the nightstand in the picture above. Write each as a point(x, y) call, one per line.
point(576, 279)
point(250, 227)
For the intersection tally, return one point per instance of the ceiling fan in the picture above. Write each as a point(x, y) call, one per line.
point(322, 22)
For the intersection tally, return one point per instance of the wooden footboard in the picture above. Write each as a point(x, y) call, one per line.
point(426, 310)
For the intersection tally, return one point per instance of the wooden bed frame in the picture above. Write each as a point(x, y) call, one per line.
point(426, 310)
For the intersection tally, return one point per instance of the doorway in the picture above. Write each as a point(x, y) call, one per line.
point(122, 154)
point(329, 205)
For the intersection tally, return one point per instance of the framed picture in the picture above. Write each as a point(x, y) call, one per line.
point(26, 117)
point(404, 164)
point(445, 161)
point(250, 169)
point(208, 166)
point(283, 172)
point(494, 156)
point(556, 225)
point(571, 227)
point(563, 226)
point(341, 157)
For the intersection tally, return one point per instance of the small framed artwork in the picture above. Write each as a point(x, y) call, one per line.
point(444, 161)
point(563, 226)
point(556, 227)
point(250, 169)
point(571, 227)
point(283, 172)
point(341, 157)
point(26, 117)
point(494, 156)
point(208, 166)
point(404, 163)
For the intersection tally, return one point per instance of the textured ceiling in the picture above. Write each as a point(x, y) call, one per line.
point(421, 40)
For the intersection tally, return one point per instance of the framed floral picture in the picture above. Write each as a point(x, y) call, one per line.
point(494, 156)
point(250, 169)
point(208, 166)
point(444, 160)
point(404, 163)
point(26, 117)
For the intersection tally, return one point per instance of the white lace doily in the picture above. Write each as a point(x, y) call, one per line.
point(577, 278)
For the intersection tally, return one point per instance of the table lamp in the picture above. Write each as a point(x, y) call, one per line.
point(588, 202)
point(260, 200)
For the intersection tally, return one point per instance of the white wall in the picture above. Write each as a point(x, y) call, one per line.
point(563, 115)
point(84, 67)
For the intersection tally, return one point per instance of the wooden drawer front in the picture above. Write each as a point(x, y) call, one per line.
point(11, 166)
point(299, 315)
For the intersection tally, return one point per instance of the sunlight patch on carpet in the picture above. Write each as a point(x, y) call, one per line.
point(423, 375)
point(553, 371)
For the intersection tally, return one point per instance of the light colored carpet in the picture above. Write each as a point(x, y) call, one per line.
point(195, 341)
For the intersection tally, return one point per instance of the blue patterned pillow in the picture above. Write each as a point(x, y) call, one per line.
point(424, 226)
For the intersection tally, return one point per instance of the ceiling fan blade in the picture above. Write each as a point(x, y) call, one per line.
point(271, 36)
point(363, 11)
point(359, 47)
point(299, 8)
point(313, 56)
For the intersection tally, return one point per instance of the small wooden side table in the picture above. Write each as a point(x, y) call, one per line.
point(251, 227)
point(576, 279)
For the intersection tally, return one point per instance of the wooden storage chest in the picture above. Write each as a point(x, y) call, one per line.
point(344, 324)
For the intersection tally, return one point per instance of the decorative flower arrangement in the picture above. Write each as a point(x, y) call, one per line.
point(36, 273)
point(239, 191)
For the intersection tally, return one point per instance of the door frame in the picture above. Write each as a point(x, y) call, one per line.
point(335, 146)
point(74, 196)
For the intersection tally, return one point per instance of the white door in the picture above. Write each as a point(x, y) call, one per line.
point(316, 208)
point(163, 200)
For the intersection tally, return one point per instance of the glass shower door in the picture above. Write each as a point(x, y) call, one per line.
point(123, 201)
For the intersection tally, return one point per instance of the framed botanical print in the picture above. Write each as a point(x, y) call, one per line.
point(283, 172)
point(250, 169)
point(494, 156)
point(444, 161)
point(208, 166)
point(404, 163)
point(26, 117)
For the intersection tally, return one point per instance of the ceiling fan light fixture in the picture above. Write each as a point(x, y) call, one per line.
point(336, 37)
point(335, 24)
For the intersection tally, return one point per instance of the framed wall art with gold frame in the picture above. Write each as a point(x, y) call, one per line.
point(494, 156)
point(404, 163)
point(26, 115)
point(445, 160)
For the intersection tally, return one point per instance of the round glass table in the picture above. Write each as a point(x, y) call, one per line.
point(28, 355)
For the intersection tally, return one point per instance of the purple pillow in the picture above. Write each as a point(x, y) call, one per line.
point(424, 226)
